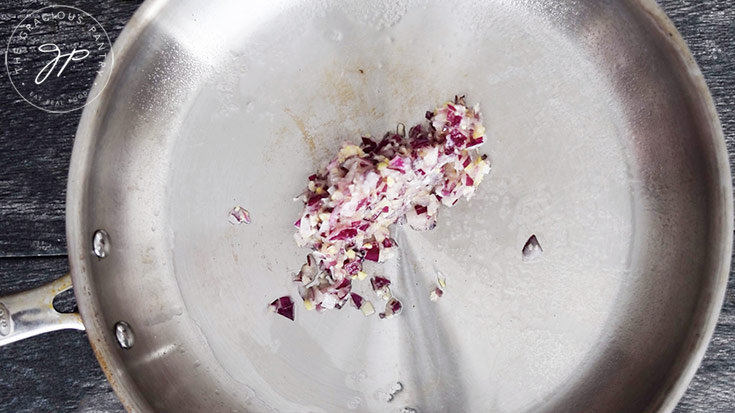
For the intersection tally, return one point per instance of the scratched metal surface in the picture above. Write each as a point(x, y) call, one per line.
point(58, 372)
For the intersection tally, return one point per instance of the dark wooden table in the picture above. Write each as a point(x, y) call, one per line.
point(57, 372)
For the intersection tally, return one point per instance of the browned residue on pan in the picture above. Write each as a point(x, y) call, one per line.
point(341, 90)
point(305, 136)
point(108, 373)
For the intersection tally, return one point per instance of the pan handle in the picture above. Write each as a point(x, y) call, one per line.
point(32, 312)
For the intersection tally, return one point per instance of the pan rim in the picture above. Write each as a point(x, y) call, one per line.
point(101, 338)
point(99, 335)
point(710, 315)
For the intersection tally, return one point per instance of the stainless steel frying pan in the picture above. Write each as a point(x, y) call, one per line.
point(604, 143)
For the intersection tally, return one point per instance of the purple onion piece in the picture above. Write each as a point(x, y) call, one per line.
point(394, 305)
point(342, 302)
point(308, 271)
point(372, 254)
point(457, 137)
point(352, 267)
point(239, 215)
point(532, 249)
point(345, 283)
point(378, 282)
point(283, 306)
point(368, 145)
point(357, 300)
point(392, 308)
point(345, 234)
point(314, 199)
point(475, 142)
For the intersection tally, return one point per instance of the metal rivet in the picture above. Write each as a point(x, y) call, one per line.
point(124, 334)
point(101, 243)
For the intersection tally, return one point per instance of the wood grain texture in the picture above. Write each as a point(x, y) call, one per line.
point(58, 373)
point(55, 372)
point(35, 146)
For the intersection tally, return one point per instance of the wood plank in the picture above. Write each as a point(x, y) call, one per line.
point(35, 146)
point(55, 372)
point(713, 387)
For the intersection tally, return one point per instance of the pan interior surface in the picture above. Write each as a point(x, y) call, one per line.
point(600, 145)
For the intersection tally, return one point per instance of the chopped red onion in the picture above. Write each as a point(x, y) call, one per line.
point(384, 293)
point(475, 142)
point(441, 280)
point(438, 291)
point(345, 234)
point(308, 272)
point(436, 294)
point(532, 249)
point(239, 215)
point(378, 282)
point(357, 300)
point(380, 286)
point(283, 306)
point(362, 304)
point(353, 267)
point(372, 254)
point(350, 204)
point(367, 308)
point(392, 308)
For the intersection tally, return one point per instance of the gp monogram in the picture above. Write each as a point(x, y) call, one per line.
point(54, 57)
